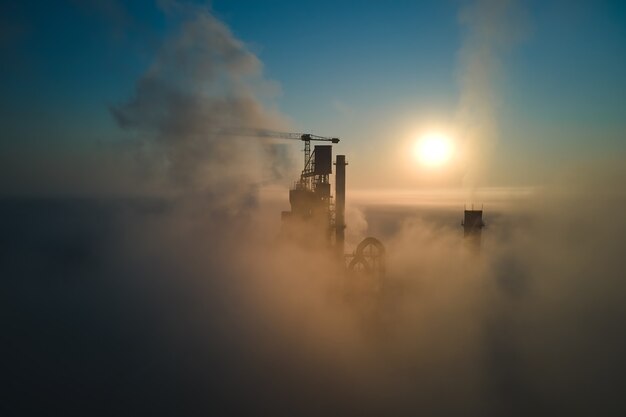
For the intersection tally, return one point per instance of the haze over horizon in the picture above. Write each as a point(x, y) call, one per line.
point(529, 91)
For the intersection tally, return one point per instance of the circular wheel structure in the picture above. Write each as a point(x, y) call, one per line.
point(369, 261)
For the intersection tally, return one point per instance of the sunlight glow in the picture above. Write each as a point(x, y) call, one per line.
point(433, 149)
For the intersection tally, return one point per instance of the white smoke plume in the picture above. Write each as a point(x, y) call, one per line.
point(491, 28)
point(204, 79)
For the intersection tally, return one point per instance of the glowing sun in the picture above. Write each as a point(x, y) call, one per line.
point(433, 149)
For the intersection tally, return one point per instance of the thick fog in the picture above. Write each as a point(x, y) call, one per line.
point(189, 302)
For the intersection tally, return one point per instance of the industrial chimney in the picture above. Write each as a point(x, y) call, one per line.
point(340, 206)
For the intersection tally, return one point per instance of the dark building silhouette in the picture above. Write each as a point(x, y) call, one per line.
point(340, 205)
point(473, 225)
point(311, 218)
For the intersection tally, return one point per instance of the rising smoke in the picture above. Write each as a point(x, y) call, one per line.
point(203, 79)
point(491, 28)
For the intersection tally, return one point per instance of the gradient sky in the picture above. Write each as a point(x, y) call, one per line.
point(373, 73)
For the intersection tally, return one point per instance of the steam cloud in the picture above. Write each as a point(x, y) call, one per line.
point(491, 28)
point(204, 79)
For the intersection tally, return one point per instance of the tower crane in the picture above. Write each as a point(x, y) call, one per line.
point(308, 170)
point(312, 215)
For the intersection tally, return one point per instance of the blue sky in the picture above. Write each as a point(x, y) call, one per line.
point(366, 71)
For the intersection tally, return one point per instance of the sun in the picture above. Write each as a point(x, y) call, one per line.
point(433, 149)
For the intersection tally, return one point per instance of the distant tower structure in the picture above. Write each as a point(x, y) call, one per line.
point(340, 204)
point(473, 224)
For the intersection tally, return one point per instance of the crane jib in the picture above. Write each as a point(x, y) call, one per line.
point(262, 133)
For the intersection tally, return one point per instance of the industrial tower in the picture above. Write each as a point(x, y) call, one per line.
point(313, 217)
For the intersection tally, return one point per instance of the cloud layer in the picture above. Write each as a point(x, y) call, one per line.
point(189, 303)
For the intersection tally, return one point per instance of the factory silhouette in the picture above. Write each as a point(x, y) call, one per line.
point(317, 221)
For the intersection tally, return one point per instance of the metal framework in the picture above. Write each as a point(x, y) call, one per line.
point(306, 178)
point(310, 198)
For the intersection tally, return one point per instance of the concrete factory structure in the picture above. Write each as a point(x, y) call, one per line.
point(315, 222)
point(311, 220)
